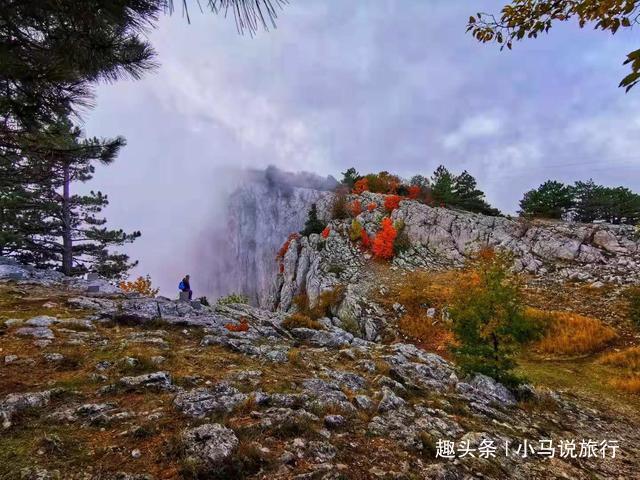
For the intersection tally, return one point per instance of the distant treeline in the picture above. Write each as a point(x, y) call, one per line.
point(580, 202)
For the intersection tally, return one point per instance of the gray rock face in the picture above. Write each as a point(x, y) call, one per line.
point(443, 238)
point(389, 400)
point(210, 444)
point(41, 321)
point(334, 338)
point(261, 215)
point(487, 388)
point(16, 402)
point(36, 332)
point(156, 380)
point(202, 401)
point(597, 251)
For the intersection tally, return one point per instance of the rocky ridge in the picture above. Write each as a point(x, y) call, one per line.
point(440, 238)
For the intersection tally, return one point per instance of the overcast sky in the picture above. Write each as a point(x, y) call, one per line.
point(379, 85)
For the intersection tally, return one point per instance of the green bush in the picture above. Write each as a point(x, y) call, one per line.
point(233, 298)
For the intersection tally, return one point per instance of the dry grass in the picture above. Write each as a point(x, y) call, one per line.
point(294, 357)
point(417, 292)
point(627, 365)
point(300, 320)
point(627, 359)
point(569, 333)
point(429, 334)
point(326, 302)
point(630, 384)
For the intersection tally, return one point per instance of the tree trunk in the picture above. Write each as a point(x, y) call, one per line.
point(67, 244)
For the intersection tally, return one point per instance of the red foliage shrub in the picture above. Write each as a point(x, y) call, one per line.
point(284, 249)
point(285, 246)
point(372, 206)
point(360, 186)
point(414, 192)
point(325, 232)
point(391, 202)
point(356, 208)
point(243, 326)
point(383, 243)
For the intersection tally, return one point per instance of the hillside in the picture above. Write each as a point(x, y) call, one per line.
point(106, 385)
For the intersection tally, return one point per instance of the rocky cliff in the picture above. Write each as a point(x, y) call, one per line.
point(260, 214)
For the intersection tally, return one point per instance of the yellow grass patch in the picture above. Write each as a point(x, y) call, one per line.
point(627, 384)
point(629, 359)
point(569, 333)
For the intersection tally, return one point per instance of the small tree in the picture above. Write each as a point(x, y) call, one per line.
point(313, 223)
point(550, 200)
point(442, 185)
point(350, 177)
point(339, 210)
point(488, 317)
point(141, 285)
point(49, 225)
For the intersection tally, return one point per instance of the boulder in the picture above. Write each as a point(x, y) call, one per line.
point(156, 380)
point(210, 444)
point(222, 398)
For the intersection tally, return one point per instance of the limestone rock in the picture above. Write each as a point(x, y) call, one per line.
point(210, 444)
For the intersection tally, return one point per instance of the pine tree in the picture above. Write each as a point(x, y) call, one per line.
point(442, 186)
point(459, 191)
point(313, 223)
point(468, 197)
point(51, 227)
point(350, 177)
point(550, 200)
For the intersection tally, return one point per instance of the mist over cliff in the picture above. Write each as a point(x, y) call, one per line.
point(236, 252)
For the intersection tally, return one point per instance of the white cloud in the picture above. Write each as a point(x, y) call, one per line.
point(476, 127)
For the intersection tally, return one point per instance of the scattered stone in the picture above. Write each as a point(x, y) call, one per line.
point(158, 359)
point(389, 401)
point(17, 402)
point(156, 380)
point(334, 421)
point(37, 473)
point(36, 332)
point(203, 401)
point(41, 321)
point(363, 402)
point(53, 357)
point(10, 359)
point(210, 444)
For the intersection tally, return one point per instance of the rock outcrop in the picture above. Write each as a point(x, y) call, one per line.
point(443, 238)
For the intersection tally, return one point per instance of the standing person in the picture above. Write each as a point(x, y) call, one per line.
point(185, 286)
